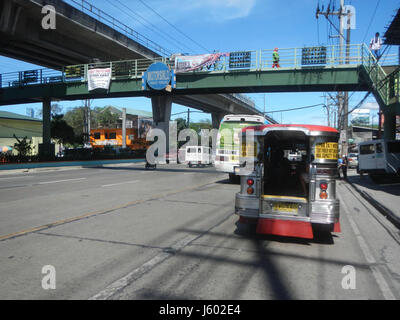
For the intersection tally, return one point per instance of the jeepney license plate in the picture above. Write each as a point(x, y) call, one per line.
point(286, 207)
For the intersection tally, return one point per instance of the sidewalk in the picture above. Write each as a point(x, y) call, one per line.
point(384, 197)
point(42, 166)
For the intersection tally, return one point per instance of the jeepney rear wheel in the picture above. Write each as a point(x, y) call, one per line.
point(234, 178)
point(323, 232)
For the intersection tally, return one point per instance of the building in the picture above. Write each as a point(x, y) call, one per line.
point(21, 126)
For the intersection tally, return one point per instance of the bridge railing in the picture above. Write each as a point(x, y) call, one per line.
point(261, 60)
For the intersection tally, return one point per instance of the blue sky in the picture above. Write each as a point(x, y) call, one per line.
point(234, 25)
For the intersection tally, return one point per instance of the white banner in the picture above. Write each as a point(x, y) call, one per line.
point(190, 63)
point(99, 79)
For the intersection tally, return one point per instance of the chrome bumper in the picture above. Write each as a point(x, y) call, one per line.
point(324, 212)
point(247, 206)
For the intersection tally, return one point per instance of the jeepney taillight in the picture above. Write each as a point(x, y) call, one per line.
point(323, 195)
point(323, 186)
point(250, 190)
point(250, 182)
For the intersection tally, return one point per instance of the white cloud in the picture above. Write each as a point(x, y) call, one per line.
point(370, 105)
point(207, 9)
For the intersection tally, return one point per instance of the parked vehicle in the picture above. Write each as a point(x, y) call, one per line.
point(198, 155)
point(290, 198)
point(228, 141)
point(379, 158)
point(294, 156)
point(353, 160)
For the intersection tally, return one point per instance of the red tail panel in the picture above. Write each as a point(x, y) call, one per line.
point(336, 227)
point(287, 228)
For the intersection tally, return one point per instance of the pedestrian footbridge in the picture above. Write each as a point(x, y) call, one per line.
point(354, 68)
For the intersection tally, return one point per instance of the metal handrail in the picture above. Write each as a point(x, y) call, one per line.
point(258, 60)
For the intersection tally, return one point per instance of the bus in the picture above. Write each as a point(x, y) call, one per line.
point(227, 152)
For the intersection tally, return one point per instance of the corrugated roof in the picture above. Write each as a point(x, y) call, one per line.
point(140, 113)
point(16, 116)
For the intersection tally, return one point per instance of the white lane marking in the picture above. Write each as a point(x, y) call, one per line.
point(120, 284)
point(120, 183)
point(58, 181)
point(384, 287)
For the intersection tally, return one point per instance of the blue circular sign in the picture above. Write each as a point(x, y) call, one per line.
point(158, 76)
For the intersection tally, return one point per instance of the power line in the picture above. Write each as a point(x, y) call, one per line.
point(372, 18)
point(299, 108)
point(150, 8)
point(153, 27)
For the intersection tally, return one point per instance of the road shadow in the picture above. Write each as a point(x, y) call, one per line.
point(366, 182)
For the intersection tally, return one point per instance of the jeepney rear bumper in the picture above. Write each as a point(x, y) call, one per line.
point(324, 212)
point(246, 206)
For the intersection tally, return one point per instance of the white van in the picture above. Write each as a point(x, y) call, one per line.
point(198, 155)
point(379, 157)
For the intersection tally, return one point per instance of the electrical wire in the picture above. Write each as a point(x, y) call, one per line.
point(174, 27)
point(372, 18)
point(153, 27)
point(299, 108)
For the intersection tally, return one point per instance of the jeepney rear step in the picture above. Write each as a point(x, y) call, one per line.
point(287, 228)
point(284, 198)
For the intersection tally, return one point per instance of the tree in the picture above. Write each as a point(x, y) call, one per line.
point(61, 131)
point(181, 124)
point(55, 109)
point(23, 147)
point(202, 124)
point(76, 119)
point(107, 119)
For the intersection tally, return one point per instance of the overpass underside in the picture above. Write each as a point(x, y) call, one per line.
point(77, 39)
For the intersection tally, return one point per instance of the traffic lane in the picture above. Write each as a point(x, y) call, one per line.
point(381, 237)
point(230, 261)
point(21, 187)
point(51, 203)
point(89, 254)
point(224, 263)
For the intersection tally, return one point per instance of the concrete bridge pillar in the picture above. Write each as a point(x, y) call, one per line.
point(216, 118)
point(161, 106)
point(46, 149)
point(389, 125)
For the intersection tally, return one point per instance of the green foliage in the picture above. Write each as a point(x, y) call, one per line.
point(61, 131)
point(23, 147)
point(107, 119)
point(202, 124)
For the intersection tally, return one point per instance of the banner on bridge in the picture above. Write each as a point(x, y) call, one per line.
point(99, 79)
point(190, 63)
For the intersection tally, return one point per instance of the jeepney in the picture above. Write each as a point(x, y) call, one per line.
point(289, 198)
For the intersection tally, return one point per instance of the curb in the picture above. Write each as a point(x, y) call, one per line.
point(43, 167)
point(387, 213)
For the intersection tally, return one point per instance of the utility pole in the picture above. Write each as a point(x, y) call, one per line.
point(188, 118)
point(86, 125)
point(342, 97)
point(124, 128)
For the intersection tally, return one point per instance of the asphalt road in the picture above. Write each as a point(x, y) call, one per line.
point(126, 233)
